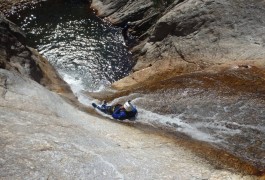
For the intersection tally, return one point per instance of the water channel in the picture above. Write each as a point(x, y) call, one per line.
point(86, 51)
point(90, 53)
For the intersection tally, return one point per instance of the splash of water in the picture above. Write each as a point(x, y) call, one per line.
point(89, 54)
point(82, 47)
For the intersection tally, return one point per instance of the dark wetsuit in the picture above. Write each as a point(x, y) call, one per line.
point(125, 32)
point(118, 112)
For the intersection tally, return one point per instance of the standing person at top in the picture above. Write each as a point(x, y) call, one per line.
point(125, 31)
point(118, 111)
point(128, 39)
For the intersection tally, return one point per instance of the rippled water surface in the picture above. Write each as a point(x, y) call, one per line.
point(89, 53)
point(85, 50)
point(233, 123)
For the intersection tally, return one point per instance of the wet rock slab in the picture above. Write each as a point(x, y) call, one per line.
point(188, 36)
point(44, 137)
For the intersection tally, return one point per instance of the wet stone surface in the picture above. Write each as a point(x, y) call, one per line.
point(86, 51)
point(42, 136)
point(225, 108)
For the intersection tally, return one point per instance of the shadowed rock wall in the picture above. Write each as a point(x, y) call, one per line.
point(16, 56)
point(190, 35)
point(45, 137)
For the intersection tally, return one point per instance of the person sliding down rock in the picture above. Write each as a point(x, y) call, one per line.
point(118, 111)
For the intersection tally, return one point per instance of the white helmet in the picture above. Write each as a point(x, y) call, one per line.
point(128, 106)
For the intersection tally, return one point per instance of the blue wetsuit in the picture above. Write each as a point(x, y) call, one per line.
point(118, 112)
point(121, 114)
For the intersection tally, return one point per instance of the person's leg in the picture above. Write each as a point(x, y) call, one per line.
point(104, 108)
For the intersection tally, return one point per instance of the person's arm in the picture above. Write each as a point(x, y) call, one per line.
point(135, 110)
point(118, 114)
point(132, 115)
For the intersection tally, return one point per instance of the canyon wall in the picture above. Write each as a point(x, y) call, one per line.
point(186, 36)
point(44, 137)
point(17, 57)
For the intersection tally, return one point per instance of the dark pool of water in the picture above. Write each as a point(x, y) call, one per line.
point(89, 52)
point(86, 51)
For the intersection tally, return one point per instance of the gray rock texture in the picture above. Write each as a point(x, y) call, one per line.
point(190, 35)
point(211, 31)
point(16, 56)
point(141, 13)
point(43, 137)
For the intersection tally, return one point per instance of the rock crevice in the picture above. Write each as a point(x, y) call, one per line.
point(17, 57)
point(206, 33)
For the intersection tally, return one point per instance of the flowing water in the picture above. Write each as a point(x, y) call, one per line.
point(234, 123)
point(86, 51)
point(89, 53)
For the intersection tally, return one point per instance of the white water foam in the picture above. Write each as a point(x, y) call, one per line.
point(75, 83)
point(150, 117)
point(77, 87)
point(145, 116)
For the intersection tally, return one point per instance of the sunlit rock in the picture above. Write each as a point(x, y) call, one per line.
point(42, 136)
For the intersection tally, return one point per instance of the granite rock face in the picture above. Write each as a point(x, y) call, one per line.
point(43, 137)
point(191, 35)
point(142, 14)
point(212, 32)
point(16, 56)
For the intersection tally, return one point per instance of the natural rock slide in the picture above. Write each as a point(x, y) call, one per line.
point(47, 134)
point(44, 137)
